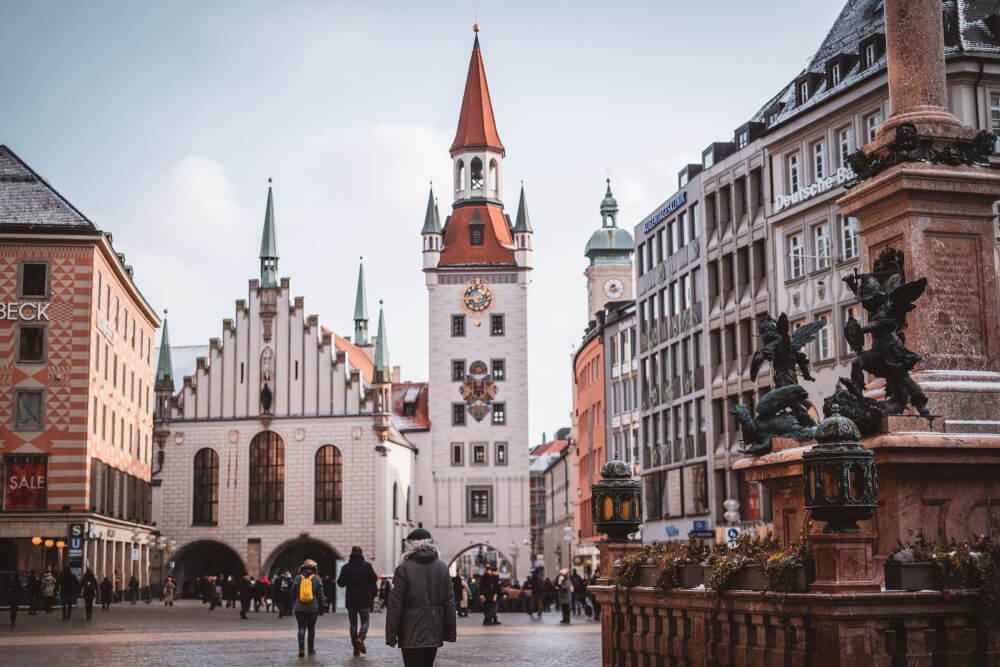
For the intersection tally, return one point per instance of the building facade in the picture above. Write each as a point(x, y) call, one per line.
point(283, 442)
point(474, 475)
point(75, 418)
point(552, 528)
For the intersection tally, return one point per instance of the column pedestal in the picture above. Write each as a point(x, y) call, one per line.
point(845, 562)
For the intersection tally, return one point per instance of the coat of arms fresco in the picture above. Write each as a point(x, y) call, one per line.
point(478, 390)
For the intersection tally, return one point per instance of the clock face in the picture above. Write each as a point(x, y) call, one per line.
point(614, 288)
point(478, 296)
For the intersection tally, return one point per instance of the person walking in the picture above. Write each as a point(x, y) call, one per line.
point(133, 589)
point(564, 593)
point(535, 584)
point(421, 613)
point(462, 594)
point(244, 589)
point(107, 592)
point(260, 590)
point(69, 589)
point(34, 592)
point(88, 587)
point(489, 594)
point(359, 578)
point(15, 591)
point(169, 589)
point(310, 602)
point(48, 590)
point(383, 592)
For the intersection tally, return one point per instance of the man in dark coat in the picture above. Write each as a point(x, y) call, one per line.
point(359, 578)
point(133, 589)
point(14, 594)
point(88, 586)
point(421, 613)
point(489, 593)
point(535, 584)
point(34, 592)
point(245, 590)
point(107, 593)
point(69, 588)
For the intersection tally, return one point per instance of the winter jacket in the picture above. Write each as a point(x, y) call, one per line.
point(168, 591)
point(564, 588)
point(106, 589)
point(69, 585)
point(319, 599)
point(245, 591)
point(489, 587)
point(88, 586)
point(359, 578)
point(48, 585)
point(422, 602)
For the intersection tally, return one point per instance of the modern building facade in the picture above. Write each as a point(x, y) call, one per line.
point(774, 241)
point(76, 337)
point(474, 474)
point(286, 441)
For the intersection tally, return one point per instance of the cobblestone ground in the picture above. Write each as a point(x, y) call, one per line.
point(189, 634)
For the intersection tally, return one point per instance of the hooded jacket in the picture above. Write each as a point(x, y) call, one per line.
point(359, 578)
point(422, 602)
point(317, 589)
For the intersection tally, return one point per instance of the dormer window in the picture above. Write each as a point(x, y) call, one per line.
point(708, 158)
point(803, 92)
point(834, 74)
point(742, 138)
point(476, 168)
point(869, 58)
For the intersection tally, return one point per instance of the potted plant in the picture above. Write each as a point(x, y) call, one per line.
point(786, 569)
point(635, 568)
point(740, 566)
point(927, 566)
point(680, 566)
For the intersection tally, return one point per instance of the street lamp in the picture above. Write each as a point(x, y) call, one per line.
point(568, 539)
point(558, 552)
point(514, 553)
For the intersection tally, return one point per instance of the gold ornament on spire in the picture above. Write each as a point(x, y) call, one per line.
point(475, 27)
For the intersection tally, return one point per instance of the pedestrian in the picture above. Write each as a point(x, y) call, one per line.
point(34, 592)
point(580, 591)
point(212, 593)
point(88, 587)
point(260, 591)
point(48, 590)
point(359, 578)
point(461, 589)
point(421, 614)
point(286, 593)
point(229, 591)
point(593, 598)
point(574, 579)
point(245, 590)
point(169, 589)
point(564, 593)
point(383, 592)
point(69, 588)
point(107, 592)
point(536, 590)
point(133, 589)
point(489, 594)
point(328, 584)
point(310, 602)
point(15, 592)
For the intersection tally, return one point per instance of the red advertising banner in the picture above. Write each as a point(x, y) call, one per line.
point(25, 482)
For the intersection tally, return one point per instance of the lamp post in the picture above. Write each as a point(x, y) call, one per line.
point(558, 552)
point(515, 551)
point(568, 539)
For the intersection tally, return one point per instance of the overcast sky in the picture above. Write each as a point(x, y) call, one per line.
point(162, 122)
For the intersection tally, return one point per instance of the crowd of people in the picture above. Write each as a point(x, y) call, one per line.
point(41, 591)
point(488, 594)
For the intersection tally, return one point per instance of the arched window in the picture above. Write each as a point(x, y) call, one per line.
point(494, 176)
point(267, 478)
point(206, 488)
point(459, 175)
point(329, 485)
point(409, 514)
point(476, 167)
point(395, 500)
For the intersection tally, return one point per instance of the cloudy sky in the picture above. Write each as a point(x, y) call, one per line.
point(162, 122)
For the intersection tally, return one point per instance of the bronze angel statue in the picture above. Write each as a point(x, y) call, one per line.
point(783, 349)
point(887, 297)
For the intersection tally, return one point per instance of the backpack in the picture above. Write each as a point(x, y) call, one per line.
point(306, 590)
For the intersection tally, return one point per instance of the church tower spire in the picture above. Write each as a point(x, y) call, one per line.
point(383, 372)
point(382, 381)
point(164, 365)
point(361, 309)
point(269, 245)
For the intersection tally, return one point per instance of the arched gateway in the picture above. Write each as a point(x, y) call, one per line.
point(289, 556)
point(203, 558)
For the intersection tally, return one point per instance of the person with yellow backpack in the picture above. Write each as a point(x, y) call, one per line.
point(310, 598)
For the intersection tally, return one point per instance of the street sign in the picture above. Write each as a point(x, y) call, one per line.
point(703, 534)
point(74, 555)
point(135, 553)
point(700, 524)
point(732, 534)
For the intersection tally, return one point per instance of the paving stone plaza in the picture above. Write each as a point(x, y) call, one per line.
point(189, 634)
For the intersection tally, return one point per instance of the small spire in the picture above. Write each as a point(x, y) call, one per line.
point(522, 223)
point(361, 308)
point(383, 371)
point(432, 219)
point(269, 245)
point(164, 364)
point(609, 207)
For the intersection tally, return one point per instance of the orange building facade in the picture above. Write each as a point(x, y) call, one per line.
point(76, 376)
point(589, 442)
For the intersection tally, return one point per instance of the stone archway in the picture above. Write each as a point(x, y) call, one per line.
point(202, 558)
point(290, 554)
point(472, 559)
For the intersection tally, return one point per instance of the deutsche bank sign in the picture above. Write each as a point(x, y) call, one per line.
point(664, 212)
point(821, 185)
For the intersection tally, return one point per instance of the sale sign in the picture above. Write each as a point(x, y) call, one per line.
point(25, 482)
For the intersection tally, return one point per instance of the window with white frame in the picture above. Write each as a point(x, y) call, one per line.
point(821, 244)
point(872, 121)
point(742, 139)
point(794, 173)
point(823, 338)
point(995, 116)
point(803, 92)
point(835, 74)
point(796, 260)
point(869, 55)
point(845, 137)
point(848, 238)
point(819, 160)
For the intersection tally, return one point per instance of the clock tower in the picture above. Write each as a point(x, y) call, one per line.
point(476, 265)
point(609, 274)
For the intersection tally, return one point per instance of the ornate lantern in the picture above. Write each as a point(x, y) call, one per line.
point(617, 502)
point(841, 481)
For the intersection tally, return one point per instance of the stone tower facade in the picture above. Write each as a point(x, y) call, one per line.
point(609, 273)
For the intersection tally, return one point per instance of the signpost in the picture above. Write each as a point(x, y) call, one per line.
point(732, 534)
point(75, 553)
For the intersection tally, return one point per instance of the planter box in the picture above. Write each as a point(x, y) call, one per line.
point(748, 579)
point(916, 577)
point(692, 576)
point(648, 574)
point(797, 583)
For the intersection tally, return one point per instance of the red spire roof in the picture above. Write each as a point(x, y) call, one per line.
point(476, 126)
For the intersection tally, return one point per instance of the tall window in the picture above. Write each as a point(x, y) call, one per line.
point(476, 171)
point(28, 410)
point(31, 346)
point(34, 281)
point(496, 325)
point(821, 244)
point(499, 370)
point(823, 338)
point(457, 325)
point(796, 268)
point(499, 414)
point(869, 55)
point(794, 176)
point(849, 238)
point(409, 514)
point(480, 504)
point(267, 478)
point(458, 414)
point(459, 175)
point(329, 485)
point(457, 449)
point(395, 500)
point(834, 74)
point(845, 137)
point(850, 312)
point(803, 92)
point(205, 503)
point(457, 370)
point(819, 160)
point(872, 121)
